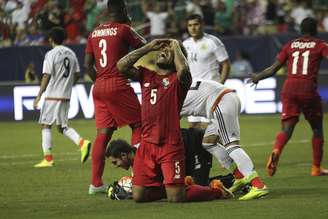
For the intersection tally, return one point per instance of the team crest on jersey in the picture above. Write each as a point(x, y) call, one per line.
point(166, 82)
point(203, 46)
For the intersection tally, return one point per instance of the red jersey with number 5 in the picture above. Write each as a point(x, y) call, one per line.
point(303, 56)
point(162, 99)
point(108, 43)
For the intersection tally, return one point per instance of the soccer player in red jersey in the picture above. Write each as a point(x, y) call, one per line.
point(115, 102)
point(160, 158)
point(299, 93)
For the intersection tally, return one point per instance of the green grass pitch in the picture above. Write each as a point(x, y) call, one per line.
point(61, 192)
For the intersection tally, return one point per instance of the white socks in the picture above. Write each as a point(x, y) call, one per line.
point(72, 134)
point(242, 160)
point(46, 141)
point(219, 152)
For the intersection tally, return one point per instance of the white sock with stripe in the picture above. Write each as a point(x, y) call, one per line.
point(219, 152)
point(72, 134)
point(46, 141)
point(242, 160)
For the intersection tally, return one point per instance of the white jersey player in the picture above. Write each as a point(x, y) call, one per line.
point(62, 65)
point(60, 72)
point(204, 56)
point(221, 106)
point(207, 56)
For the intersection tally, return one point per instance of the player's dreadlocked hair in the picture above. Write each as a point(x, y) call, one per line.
point(116, 6)
point(118, 9)
point(309, 26)
point(57, 34)
point(116, 147)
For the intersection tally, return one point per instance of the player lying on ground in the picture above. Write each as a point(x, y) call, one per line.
point(299, 93)
point(221, 106)
point(198, 160)
point(60, 72)
point(121, 154)
point(160, 158)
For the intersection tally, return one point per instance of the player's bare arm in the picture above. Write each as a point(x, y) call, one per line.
point(89, 62)
point(266, 73)
point(44, 83)
point(76, 77)
point(225, 71)
point(125, 64)
point(181, 63)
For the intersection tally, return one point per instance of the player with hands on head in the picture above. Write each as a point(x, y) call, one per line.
point(299, 93)
point(159, 160)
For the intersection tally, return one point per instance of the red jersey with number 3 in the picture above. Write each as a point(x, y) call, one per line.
point(108, 43)
point(162, 100)
point(303, 56)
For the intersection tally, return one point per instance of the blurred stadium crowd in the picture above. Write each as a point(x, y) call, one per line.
point(25, 22)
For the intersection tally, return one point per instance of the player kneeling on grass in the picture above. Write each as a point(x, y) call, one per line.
point(159, 159)
point(122, 155)
point(60, 72)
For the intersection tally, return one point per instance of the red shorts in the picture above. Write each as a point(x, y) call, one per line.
point(115, 107)
point(293, 105)
point(157, 165)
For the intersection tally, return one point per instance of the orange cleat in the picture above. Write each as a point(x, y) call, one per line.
point(188, 180)
point(272, 163)
point(318, 171)
point(217, 184)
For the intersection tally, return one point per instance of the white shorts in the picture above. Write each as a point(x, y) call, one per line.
point(54, 111)
point(198, 119)
point(225, 122)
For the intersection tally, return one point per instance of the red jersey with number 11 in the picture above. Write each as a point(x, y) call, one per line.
point(303, 56)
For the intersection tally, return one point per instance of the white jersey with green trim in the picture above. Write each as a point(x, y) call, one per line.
point(204, 56)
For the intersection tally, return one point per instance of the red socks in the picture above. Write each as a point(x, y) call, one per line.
point(257, 182)
point(201, 193)
point(81, 142)
point(98, 158)
point(317, 151)
point(48, 157)
point(237, 174)
point(281, 141)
